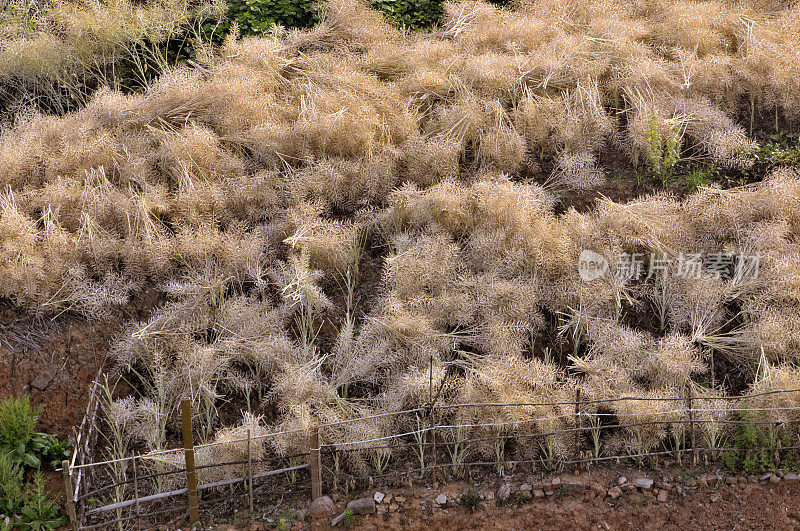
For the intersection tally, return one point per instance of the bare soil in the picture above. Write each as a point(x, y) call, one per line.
point(750, 506)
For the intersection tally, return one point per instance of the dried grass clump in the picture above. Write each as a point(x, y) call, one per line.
point(777, 408)
point(247, 189)
point(513, 380)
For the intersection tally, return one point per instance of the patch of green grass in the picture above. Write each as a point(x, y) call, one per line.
point(471, 500)
point(699, 177)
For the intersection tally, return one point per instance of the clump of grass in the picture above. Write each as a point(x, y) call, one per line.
point(471, 500)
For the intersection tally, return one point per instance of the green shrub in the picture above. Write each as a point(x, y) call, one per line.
point(257, 17)
point(17, 428)
point(19, 440)
point(10, 485)
point(699, 177)
point(411, 14)
point(40, 513)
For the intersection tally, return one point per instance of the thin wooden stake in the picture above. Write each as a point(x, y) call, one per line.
point(315, 464)
point(136, 493)
point(691, 426)
point(188, 452)
point(249, 472)
point(70, 495)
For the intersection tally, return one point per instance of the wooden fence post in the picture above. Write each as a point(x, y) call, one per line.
point(136, 493)
point(578, 419)
point(70, 495)
point(188, 452)
point(249, 472)
point(315, 464)
point(691, 427)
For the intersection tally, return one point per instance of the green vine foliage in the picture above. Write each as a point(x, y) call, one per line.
point(411, 14)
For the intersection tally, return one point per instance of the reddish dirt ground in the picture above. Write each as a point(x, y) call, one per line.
point(751, 506)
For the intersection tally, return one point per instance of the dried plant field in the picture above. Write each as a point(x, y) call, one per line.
point(335, 218)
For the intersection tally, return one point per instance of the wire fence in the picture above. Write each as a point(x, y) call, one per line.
point(751, 433)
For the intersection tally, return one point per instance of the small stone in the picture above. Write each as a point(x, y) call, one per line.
point(336, 521)
point(43, 379)
point(765, 477)
point(663, 496)
point(321, 507)
point(503, 492)
point(622, 480)
point(774, 479)
point(644, 483)
point(555, 483)
point(441, 499)
point(400, 499)
point(362, 506)
point(574, 484)
point(614, 493)
point(538, 493)
point(548, 493)
point(731, 480)
point(789, 476)
point(526, 487)
point(488, 496)
point(378, 497)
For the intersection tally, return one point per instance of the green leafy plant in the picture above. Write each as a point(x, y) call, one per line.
point(17, 427)
point(19, 439)
point(699, 177)
point(349, 519)
point(470, 499)
point(411, 14)
point(257, 17)
point(663, 150)
point(757, 449)
point(40, 513)
point(10, 485)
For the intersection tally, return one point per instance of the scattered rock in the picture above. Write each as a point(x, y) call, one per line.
point(789, 476)
point(44, 378)
point(644, 483)
point(538, 493)
point(321, 507)
point(378, 497)
point(614, 493)
point(622, 480)
point(548, 493)
point(441, 499)
point(555, 483)
point(765, 477)
point(362, 506)
point(574, 484)
point(503, 492)
point(731, 480)
point(774, 479)
point(663, 496)
point(336, 521)
point(400, 499)
point(526, 487)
